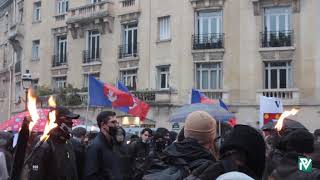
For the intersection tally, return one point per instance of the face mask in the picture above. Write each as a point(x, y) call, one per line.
point(66, 130)
point(112, 131)
point(160, 145)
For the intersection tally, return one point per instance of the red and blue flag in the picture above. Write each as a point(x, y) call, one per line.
point(138, 109)
point(102, 94)
point(199, 97)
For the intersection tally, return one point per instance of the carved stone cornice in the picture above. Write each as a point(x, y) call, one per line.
point(198, 4)
point(59, 72)
point(277, 54)
point(91, 67)
point(60, 30)
point(129, 17)
point(128, 64)
point(97, 16)
point(104, 24)
point(207, 55)
point(259, 4)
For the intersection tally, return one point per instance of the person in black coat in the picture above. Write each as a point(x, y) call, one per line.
point(54, 159)
point(77, 142)
point(179, 159)
point(243, 150)
point(101, 162)
point(122, 150)
point(298, 144)
point(139, 150)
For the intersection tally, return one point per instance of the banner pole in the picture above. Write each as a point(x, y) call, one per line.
point(88, 101)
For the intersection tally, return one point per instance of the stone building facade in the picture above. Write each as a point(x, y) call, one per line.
point(229, 49)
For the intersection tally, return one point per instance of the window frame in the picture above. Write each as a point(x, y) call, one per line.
point(289, 74)
point(64, 42)
point(164, 28)
point(219, 76)
point(96, 36)
point(60, 80)
point(163, 70)
point(35, 49)
point(37, 12)
point(286, 11)
point(130, 30)
point(126, 77)
point(62, 7)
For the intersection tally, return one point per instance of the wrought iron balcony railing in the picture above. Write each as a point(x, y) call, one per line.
point(128, 50)
point(277, 38)
point(59, 60)
point(89, 56)
point(127, 3)
point(208, 41)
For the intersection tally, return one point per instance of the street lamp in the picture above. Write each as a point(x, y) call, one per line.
point(26, 83)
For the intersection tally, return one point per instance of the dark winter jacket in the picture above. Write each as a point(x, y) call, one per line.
point(288, 169)
point(53, 160)
point(272, 161)
point(139, 152)
point(101, 163)
point(209, 171)
point(179, 159)
point(125, 160)
point(80, 152)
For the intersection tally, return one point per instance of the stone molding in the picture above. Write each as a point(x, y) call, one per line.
point(199, 4)
point(208, 55)
point(259, 4)
point(277, 54)
point(129, 17)
point(128, 64)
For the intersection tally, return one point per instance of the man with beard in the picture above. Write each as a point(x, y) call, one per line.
point(101, 162)
point(55, 158)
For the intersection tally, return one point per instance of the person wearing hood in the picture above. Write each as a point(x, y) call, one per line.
point(101, 162)
point(122, 150)
point(55, 158)
point(194, 150)
point(243, 151)
point(78, 144)
point(298, 144)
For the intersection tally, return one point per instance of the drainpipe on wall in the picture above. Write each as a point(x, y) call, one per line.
point(10, 88)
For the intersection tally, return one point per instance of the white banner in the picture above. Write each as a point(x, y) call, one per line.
point(269, 105)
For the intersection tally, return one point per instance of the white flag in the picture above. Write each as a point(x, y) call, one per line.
point(269, 105)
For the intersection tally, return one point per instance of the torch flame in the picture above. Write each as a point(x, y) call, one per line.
point(51, 122)
point(32, 108)
point(285, 114)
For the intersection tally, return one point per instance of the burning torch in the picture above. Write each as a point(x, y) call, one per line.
point(23, 138)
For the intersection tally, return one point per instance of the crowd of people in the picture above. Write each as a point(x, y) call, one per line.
point(197, 152)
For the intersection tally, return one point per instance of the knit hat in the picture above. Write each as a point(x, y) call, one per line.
point(300, 141)
point(200, 126)
point(247, 139)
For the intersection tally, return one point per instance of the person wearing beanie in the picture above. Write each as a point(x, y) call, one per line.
point(201, 126)
point(298, 143)
point(243, 151)
point(181, 158)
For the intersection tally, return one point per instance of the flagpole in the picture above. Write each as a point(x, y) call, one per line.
point(88, 101)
